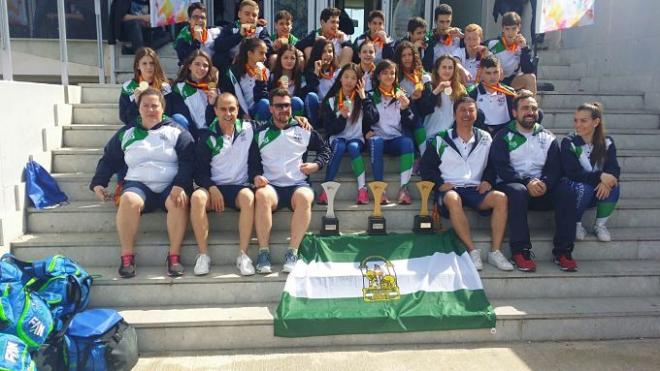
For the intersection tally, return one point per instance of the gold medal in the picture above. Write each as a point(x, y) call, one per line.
point(448, 90)
point(143, 85)
point(212, 85)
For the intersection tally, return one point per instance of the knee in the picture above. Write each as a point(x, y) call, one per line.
point(245, 199)
point(338, 146)
point(452, 200)
point(297, 105)
point(353, 149)
point(131, 201)
point(407, 145)
point(516, 192)
point(262, 197)
point(500, 200)
point(198, 200)
point(302, 198)
point(312, 99)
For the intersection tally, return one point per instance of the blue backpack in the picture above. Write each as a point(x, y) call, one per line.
point(60, 281)
point(22, 312)
point(41, 188)
point(100, 340)
point(14, 354)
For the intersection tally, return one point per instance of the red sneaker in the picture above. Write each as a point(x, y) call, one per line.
point(363, 196)
point(565, 262)
point(404, 196)
point(523, 260)
point(323, 199)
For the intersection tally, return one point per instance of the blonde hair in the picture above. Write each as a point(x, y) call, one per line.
point(473, 27)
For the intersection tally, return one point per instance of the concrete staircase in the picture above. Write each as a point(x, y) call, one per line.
point(614, 295)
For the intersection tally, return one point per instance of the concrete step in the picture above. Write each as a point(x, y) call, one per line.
point(619, 119)
point(108, 114)
point(237, 328)
point(92, 217)
point(100, 93)
point(91, 136)
point(76, 186)
point(610, 101)
point(552, 58)
point(563, 85)
point(84, 160)
point(562, 72)
point(101, 249)
point(153, 288)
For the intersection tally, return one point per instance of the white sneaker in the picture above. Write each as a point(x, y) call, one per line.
point(497, 259)
point(476, 259)
point(244, 265)
point(202, 265)
point(602, 233)
point(580, 232)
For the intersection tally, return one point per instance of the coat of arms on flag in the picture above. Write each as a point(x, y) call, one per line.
point(360, 284)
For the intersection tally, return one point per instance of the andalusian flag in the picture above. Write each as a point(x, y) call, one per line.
point(373, 284)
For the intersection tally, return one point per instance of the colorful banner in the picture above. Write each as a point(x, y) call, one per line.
point(361, 284)
point(554, 15)
point(166, 12)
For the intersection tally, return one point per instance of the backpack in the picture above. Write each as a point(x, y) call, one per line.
point(100, 340)
point(41, 188)
point(22, 312)
point(14, 355)
point(60, 281)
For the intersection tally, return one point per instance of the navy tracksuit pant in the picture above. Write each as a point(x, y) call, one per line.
point(561, 199)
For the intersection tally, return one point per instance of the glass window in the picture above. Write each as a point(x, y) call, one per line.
point(298, 9)
point(402, 11)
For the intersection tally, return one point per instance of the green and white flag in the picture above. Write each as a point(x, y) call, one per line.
point(360, 284)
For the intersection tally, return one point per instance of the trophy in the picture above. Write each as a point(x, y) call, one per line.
point(424, 221)
point(330, 223)
point(377, 223)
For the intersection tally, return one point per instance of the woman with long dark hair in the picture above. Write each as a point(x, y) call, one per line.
point(589, 161)
point(347, 114)
point(147, 72)
point(195, 92)
point(287, 72)
point(320, 73)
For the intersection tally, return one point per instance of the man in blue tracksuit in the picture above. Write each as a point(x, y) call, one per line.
point(527, 162)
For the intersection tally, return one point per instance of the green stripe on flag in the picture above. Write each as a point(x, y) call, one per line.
point(393, 246)
point(421, 311)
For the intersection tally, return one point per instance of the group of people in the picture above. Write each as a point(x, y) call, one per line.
point(235, 127)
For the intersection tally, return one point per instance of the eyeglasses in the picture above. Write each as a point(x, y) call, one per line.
point(282, 106)
point(199, 17)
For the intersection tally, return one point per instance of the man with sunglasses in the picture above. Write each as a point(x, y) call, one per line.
point(278, 168)
point(196, 35)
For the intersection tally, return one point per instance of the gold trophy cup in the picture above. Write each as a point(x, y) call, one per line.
point(377, 224)
point(424, 221)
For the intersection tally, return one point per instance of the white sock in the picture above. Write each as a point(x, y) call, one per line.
point(600, 222)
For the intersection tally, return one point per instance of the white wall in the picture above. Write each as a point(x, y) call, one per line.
point(32, 116)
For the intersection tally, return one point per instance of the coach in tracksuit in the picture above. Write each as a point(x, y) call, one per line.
point(456, 160)
point(159, 156)
point(527, 162)
point(278, 168)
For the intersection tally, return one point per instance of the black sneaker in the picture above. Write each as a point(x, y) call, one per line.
point(174, 267)
point(127, 266)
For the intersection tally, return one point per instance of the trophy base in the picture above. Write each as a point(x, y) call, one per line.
point(423, 224)
point(377, 225)
point(329, 226)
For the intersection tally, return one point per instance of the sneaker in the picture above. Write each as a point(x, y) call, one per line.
point(565, 262)
point(363, 196)
point(323, 199)
point(602, 233)
point(290, 260)
point(127, 266)
point(476, 259)
point(244, 265)
point(384, 200)
point(202, 265)
point(404, 196)
point(263, 262)
point(580, 232)
point(523, 260)
point(497, 259)
point(174, 266)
